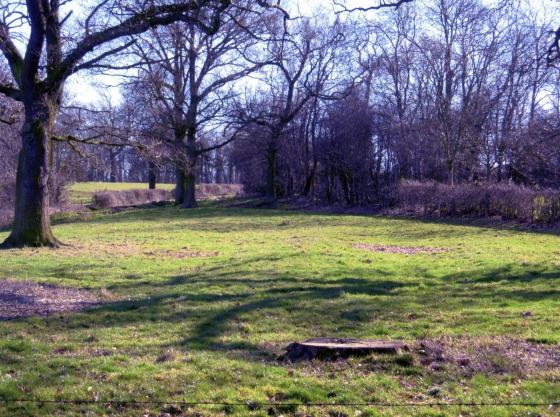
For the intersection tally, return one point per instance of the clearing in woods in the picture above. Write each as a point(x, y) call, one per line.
point(203, 302)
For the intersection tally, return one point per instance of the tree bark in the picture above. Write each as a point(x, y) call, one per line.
point(114, 168)
point(219, 169)
point(189, 200)
point(190, 190)
point(272, 166)
point(451, 171)
point(179, 185)
point(152, 177)
point(310, 179)
point(31, 222)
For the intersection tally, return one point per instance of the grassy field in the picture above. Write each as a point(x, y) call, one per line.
point(202, 302)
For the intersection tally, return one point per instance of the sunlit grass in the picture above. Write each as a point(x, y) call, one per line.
point(219, 293)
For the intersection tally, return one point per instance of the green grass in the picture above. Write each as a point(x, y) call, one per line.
point(81, 192)
point(278, 276)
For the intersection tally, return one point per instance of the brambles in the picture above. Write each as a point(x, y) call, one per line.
point(507, 201)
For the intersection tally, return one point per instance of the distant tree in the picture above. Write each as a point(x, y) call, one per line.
point(303, 68)
point(188, 73)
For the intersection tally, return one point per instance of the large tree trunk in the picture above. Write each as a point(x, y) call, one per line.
point(179, 184)
point(31, 222)
point(190, 190)
point(190, 176)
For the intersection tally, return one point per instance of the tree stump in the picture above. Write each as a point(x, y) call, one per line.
point(328, 348)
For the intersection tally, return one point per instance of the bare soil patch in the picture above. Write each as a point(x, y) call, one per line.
point(404, 250)
point(489, 355)
point(182, 253)
point(26, 298)
point(124, 249)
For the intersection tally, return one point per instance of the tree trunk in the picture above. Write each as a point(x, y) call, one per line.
point(190, 191)
point(31, 222)
point(310, 179)
point(219, 169)
point(189, 200)
point(113, 172)
point(179, 184)
point(152, 176)
point(272, 165)
point(345, 182)
point(451, 169)
point(230, 175)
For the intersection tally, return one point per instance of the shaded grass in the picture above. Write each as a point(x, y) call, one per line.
point(276, 277)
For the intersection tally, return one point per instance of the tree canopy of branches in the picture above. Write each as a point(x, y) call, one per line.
point(43, 45)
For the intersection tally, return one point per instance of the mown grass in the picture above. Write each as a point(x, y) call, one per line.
point(209, 328)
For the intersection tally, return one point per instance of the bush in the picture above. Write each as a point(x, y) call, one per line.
point(108, 199)
point(508, 201)
point(218, 190)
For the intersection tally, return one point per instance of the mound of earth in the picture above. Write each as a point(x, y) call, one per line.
point(26, 298)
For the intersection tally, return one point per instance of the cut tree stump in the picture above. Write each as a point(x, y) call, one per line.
point(328, 348)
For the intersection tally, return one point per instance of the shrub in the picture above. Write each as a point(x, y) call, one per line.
point(108, 199)
point(218, 190)
point(508, 201)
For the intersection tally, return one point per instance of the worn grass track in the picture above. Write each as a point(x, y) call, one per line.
point(205, 300)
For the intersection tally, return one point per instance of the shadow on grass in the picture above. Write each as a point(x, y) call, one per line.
point(214, 307)
point(506, 274)
point(214, 316)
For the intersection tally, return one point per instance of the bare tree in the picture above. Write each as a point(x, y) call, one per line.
point(303, 62)
point(190, 74)
point(57, 46)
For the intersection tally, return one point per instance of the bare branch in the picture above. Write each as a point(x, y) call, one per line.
point(136, 24)
point(11, 92)
point(381, 5)
point(10, 51)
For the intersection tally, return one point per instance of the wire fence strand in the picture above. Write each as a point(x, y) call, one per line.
point(257, 404)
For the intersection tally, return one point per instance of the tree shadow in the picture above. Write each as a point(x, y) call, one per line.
point(214, 299)
point(207, 333)
point(214, 315)
point(506, 274)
